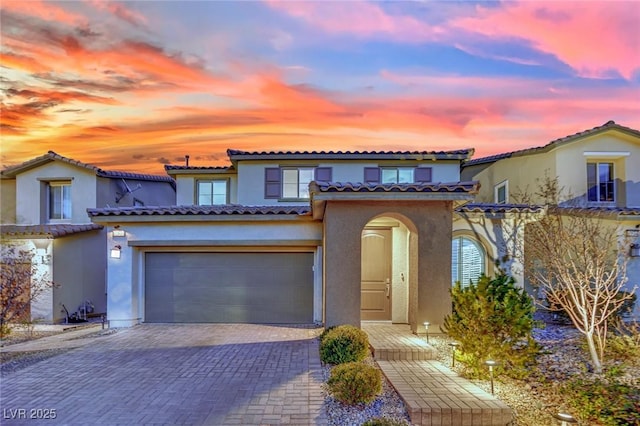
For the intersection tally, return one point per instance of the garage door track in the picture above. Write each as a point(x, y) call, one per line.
point(175, 374)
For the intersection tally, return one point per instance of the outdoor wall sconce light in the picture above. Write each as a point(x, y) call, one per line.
point(426, 329)
point(564, 418)
point(115, 252)
point(454, 346)
point(117, 232)
point(635, 250)
point(491, 363)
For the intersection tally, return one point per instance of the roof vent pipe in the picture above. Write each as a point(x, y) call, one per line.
point(186, 160)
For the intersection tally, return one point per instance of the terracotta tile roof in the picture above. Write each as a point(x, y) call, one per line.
point(607, 211)
point(176, 167)
point(498, 208)
point(45, 231)
point(394, 187)
point(231, 209)
point(526, 208)
point(52, 156)
point(609, 125)
point(461, 154)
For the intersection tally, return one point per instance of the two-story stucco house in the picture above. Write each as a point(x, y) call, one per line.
point(599, 167)
point(44, 211)
point(291, 237)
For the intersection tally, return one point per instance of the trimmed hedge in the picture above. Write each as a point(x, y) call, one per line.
point(344, 343)
point(355, 383)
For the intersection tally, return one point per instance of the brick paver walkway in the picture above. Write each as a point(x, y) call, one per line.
point(434, 395)
point(175, 374)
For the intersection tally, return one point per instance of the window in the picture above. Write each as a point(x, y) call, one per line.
point(389, 175)
point(397, 174)
point(467, 261)
point(293, 182)
point(501, 193)
point(212, 192)
point(59, 200)
point(600, 182)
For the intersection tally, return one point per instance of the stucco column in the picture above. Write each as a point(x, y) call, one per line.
point(342, 235)
point(434, 266)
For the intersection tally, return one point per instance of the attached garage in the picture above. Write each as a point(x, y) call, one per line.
point(229, 287)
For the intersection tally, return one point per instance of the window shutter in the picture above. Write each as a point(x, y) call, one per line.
point(371, 175)
point(323, 174)
point(272, 184)
point(422, 174)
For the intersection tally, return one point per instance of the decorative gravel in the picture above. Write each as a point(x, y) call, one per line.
point(388, 404)
point(10, 362)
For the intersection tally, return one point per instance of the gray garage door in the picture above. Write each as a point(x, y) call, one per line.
point(267, 288)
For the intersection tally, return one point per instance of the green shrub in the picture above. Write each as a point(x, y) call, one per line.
point(383, 421)
point(624, 343)
point(608, 403)
point(493, 319)
point(354, 383)
point(344, 343)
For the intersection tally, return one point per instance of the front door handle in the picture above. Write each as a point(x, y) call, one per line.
point(387, 289)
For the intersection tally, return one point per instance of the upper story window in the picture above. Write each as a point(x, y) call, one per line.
point(386, 175)
point(59, 200)
point(212, 192)
point(600, 182)
point(501, 193)
point(295, 182)
point(467, 261)
point(292, 183)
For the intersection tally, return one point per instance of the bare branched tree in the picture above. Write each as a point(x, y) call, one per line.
point(577, 258)
point(19, 286)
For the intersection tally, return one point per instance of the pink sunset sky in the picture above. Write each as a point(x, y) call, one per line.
point(137, 85)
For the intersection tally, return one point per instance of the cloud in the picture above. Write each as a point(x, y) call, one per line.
point(593, 38)
point(358, 18)
point(122, 12)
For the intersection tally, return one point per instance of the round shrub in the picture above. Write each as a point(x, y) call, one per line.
point(354, 383)
point(344, 343)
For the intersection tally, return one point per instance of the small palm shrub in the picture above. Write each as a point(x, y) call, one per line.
point(493, 319)
point(354, 383)
point(344, 343)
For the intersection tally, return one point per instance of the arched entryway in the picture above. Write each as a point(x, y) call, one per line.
point(386, 269)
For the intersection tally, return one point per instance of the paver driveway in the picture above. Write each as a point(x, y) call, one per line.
point(175, 374)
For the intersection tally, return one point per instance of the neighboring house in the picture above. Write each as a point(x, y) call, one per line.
point(599, 167)
point(44, 211)
point(291, 237)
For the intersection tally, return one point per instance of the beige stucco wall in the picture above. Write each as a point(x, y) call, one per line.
point(430, 258)
point(251, 174)
point(31, 196)
point(125, 276)
point(568, 163)
point(186, 187)
point(79, 272)
point(7, 201)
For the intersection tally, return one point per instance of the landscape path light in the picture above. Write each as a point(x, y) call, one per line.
point(491, 363)
point(454, 346)
point(565, 418)
point(426, 329)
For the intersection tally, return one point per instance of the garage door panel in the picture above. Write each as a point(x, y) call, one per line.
point(229, 287)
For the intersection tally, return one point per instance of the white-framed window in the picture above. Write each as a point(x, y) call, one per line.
point(397, 174)
point(467, 260)
point(59, 201)
point(600, 182)
point(501, 192)
point(212, 192)
point(295, 182)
